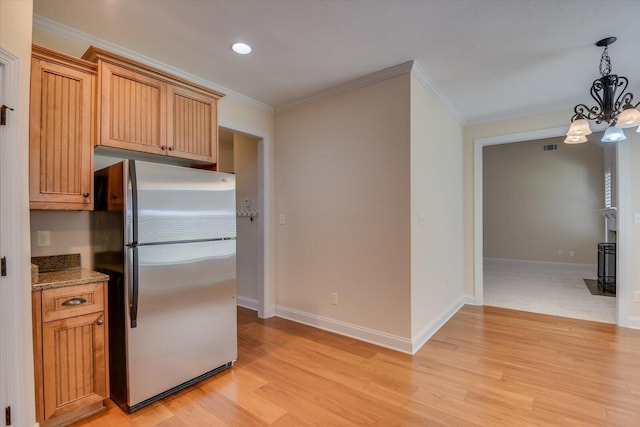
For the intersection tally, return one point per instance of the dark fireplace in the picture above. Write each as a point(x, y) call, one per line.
point(607, 267)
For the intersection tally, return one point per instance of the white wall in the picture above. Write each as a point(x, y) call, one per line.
point(245, 158)
point(342, 183)
point(15, 37)
point(542, 205)
point(436, 210)
point(633, 246)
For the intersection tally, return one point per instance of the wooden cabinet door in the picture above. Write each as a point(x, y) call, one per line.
point(192, 122)
point(132, 110)
point(74, 363)
point(61, 137)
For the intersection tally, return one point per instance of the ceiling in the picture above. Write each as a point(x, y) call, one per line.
point(489, 59)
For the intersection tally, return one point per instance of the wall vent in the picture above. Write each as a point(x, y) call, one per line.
point(549, 147)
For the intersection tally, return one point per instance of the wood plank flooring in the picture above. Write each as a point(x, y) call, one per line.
point(486, 367)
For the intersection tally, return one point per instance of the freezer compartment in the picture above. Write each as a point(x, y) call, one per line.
point(180, 204)
point(186, 315)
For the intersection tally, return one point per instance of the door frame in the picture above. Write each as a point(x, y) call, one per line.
point(15, 303)
point(623, 215)
point(266, 304)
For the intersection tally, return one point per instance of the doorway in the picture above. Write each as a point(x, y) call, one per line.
point(238, 154)
point(622, 179)
point(245, 152)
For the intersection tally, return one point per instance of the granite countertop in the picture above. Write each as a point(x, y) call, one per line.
point(61, 270)
point(70, 277)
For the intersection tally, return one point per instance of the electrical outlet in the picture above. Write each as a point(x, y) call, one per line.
point(560, 252)
point(43, 238)
point(636, 296)
point(334, 299)
point(282, 219)
point(572, 253)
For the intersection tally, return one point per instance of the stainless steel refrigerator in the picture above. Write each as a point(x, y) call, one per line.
point(165, 235)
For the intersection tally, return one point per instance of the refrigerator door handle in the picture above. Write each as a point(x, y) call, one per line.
point(133, 284)
point(133, 184)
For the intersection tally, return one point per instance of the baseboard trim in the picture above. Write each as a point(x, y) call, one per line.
point(634, 322)
point(382, 339)
point(528, 261)
point(432, 327)
point(470, 300)
point(250, 303)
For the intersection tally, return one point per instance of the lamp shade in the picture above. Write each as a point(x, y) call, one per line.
point(579, 127)
point(628, 118)
point(613, 134)
point(575, 139)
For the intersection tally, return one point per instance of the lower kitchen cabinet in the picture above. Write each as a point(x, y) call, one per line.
point(71, 356)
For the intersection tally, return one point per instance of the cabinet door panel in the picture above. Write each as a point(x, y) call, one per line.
point(192, 125)
point(74, 365)
point(132, 110)
point(61, 143)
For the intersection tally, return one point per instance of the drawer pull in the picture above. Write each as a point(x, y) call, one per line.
point(100, 322)
point(74, 301)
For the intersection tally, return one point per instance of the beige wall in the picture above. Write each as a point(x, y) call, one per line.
point(633, 142)
point(343, 184)
point(15, 38)
point(540, 203)
point(70, 234)
point(245, 157)
point(436, 208)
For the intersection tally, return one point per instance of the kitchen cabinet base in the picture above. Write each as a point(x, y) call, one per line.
point(77, 415)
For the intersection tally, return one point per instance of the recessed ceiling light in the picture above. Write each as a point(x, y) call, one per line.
point(241, 48)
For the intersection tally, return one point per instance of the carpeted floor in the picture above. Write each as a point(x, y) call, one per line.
point(547, 288)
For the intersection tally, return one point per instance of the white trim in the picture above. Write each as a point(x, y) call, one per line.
point(15, 303)
point(623, 211)
point(53, 27)
point(360, 82)
point(382, 339)
point(430, 329)
point(250, 303)
point(541, 263)
point(418, 72)
point(633, 322)
point(623, 197)
point(265, 148)
point(361, 333)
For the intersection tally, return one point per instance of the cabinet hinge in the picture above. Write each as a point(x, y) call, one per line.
point(7, 415)
point(3, 114)
point(3, 266)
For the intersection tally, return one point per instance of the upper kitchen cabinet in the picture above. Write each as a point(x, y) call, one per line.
point(61, 135)
point(146, 110)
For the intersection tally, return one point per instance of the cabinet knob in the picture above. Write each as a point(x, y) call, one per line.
point(172, 148)
point(164, 147)
point(100, 322)
point(85, 194)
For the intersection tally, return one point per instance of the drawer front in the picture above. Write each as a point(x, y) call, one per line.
point(70, 301)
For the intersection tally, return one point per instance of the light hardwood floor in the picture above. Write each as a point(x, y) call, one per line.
point(486, 366)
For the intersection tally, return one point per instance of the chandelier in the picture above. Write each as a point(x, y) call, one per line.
point(617, 111)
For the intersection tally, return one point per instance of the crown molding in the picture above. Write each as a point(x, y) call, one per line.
point(357, 83)
point(62, 30)
point(426, 81)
